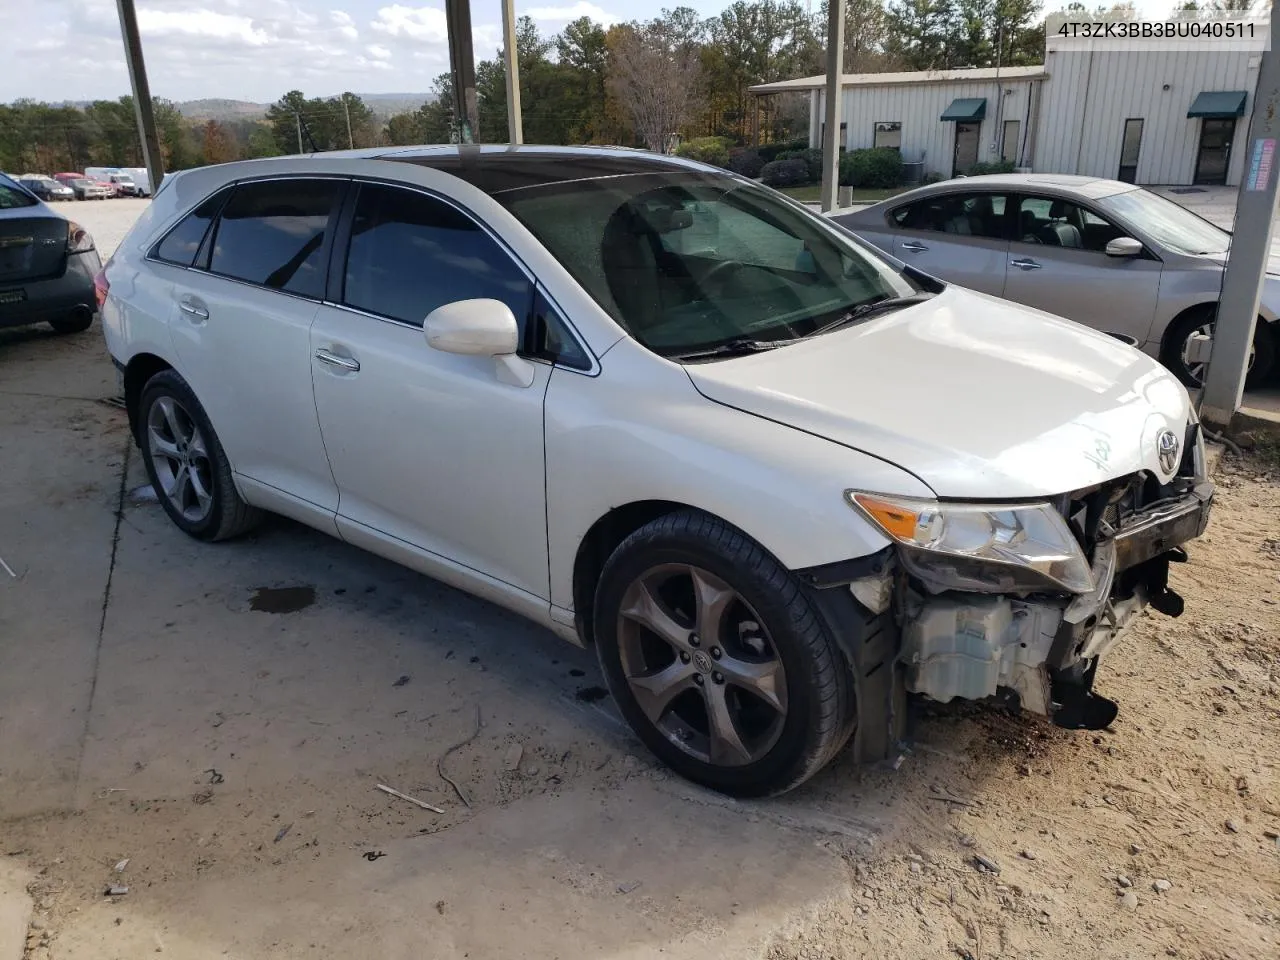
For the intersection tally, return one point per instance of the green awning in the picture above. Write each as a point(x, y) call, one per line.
point(1218, 103)
point(966, 109)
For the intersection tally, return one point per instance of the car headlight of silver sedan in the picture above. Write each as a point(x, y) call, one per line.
point(987, 548)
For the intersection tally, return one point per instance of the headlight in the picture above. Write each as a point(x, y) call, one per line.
point(78, 238)
point(991, 548)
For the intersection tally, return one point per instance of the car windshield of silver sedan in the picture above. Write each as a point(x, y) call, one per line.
point(1168, 224)
point(696, 266)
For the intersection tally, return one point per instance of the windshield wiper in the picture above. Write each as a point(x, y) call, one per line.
point(737, 347)
point(864, 310)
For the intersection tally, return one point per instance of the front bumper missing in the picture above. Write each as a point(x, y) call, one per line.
point(1041, 652)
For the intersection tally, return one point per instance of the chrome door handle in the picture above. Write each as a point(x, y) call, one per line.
point(1024, 264)
point(912, 247)
point(349, 364)
point(193, 309)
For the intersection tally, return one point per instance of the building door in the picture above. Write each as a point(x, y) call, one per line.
point(1130, 145)
point(966, 154)
point(1214, 155)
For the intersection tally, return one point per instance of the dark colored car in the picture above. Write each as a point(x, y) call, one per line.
point(46, 189)
point(47, 264)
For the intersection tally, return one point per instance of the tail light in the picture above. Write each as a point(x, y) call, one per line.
point(78, 238)
point(101, 287)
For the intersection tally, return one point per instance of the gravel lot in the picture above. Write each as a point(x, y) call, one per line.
point(152, 711)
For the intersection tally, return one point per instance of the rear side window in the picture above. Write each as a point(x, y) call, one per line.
point(273, 233)
point(411, 253)
point(182, 243)
point(12, 197)
point(961, 214)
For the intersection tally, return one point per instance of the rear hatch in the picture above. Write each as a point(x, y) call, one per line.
point(31, 248)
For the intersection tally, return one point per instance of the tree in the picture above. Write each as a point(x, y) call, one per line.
point(217, 145)
point(655, 72)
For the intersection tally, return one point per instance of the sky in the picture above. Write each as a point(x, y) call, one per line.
point(259, 49)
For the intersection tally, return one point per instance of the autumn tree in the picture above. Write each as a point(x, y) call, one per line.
point(655, 72)
point(216, 146)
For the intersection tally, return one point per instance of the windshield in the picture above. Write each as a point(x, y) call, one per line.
point(1167, 223)
point(83, 183)
point(688, 261)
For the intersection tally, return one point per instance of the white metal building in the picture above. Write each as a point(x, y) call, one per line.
point(1152, 116)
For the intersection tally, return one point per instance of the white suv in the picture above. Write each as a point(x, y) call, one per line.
point(776, 479)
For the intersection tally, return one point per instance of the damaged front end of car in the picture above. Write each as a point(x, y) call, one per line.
point(1021, 601)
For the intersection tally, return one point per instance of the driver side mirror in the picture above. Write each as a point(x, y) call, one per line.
point(1124, 247)
point(480, 328)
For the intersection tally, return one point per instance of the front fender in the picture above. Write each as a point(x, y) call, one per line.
point(640, 431)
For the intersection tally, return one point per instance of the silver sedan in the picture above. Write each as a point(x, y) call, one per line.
point(1106, 254)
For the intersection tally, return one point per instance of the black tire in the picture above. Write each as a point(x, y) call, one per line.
point(228, 516)
point(1264, 347)
point(76, 322)
point(821, 708)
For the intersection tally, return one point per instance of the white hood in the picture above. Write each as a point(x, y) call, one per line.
point(978, 397)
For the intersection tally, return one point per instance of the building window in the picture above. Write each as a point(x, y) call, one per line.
point(888, 135)
point(1009, 148)
point(1130, 147)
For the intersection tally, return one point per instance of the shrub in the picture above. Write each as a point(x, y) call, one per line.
point(813, 158)
point(770, 151)
point(999, 166)
point(713, 150)
point(932, 177)
point(880, 167)
point(748, 163)
point(785, 173)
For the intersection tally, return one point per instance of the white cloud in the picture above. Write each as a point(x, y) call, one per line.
point(565, 14)
point(377, 52)
point(413, 23)
point(201, 23)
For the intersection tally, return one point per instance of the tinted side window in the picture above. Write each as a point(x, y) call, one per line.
point(181, 244)
point(273, 233)
point(411, 253)
point(961, 214)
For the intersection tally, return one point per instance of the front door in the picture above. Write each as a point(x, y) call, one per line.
point(966, 152)
point(241, 326)
point(1214, 155)
point(1057, 263)
point(429, 448)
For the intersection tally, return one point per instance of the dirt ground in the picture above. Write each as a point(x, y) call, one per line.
point(218, 716)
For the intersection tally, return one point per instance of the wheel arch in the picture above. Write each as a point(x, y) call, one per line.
point(595, 548)
point(1205, 307)
point(140, 368)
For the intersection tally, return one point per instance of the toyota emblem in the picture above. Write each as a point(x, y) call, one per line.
point(1167, 450)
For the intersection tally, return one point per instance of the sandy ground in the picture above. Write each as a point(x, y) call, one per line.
point(152, 711)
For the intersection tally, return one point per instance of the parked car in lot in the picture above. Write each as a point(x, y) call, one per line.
point(775, 479)
point(47, 264)
point(1103, 253)
point(83, 187)
point(119, 181)
point(46, 188)
point(141, 179)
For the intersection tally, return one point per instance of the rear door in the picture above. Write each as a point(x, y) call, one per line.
point(961, 237)
point(242, 328)
point(1058, 263)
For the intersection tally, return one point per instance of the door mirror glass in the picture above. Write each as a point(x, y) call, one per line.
point(477, 328)
point(1124, 247)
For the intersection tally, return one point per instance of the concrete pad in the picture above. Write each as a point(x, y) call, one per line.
point(15, 910)
point(583, 874)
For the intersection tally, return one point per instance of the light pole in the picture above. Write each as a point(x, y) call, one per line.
point(515, 124)
point(835, 80)
point(151, 155)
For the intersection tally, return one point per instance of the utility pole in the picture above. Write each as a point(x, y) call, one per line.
point(835, 80)
point(1250, 246)
point(297, 120)
point(462, 67)
point(151, 155)
point(515, 123)
point(346, 110)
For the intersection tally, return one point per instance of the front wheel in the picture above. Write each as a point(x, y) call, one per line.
point(1180, 349)
point(718, 658)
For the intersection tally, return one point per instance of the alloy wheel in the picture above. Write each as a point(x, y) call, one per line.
point(701, 665)
point(180, 457)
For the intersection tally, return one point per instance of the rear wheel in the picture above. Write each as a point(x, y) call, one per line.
point(1180, 347)
point(186, 463)
point(75, 322)
point(718, 658)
